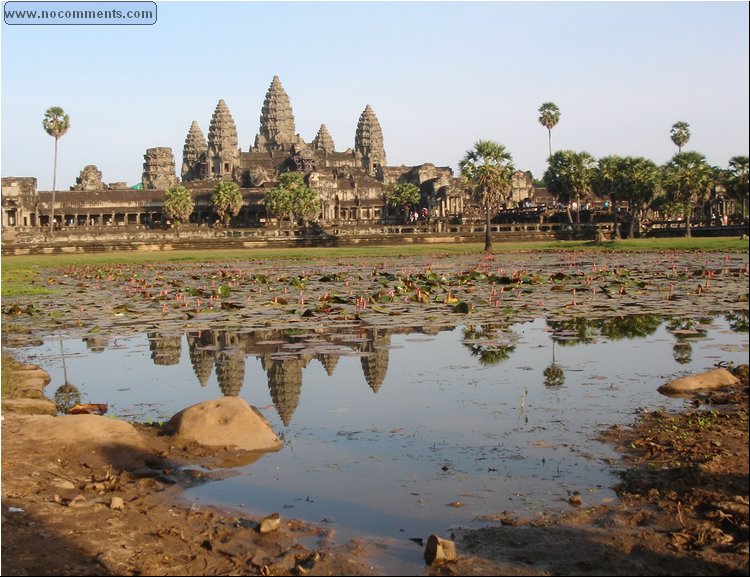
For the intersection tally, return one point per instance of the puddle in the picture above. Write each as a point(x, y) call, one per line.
point(393, 434)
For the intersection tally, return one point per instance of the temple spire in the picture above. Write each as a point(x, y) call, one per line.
point(276, 119)
point(223, 152)
point(194, 154)
point(323, 140)
point(368, 142)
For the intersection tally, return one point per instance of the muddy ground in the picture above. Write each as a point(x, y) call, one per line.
point(105, 504)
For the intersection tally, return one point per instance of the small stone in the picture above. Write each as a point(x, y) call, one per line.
point(63, 484)
point(269, 523)
point(117, 504)
point(439, 550)
point(575, 499)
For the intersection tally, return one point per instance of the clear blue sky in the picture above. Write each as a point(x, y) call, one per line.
point(439, 76)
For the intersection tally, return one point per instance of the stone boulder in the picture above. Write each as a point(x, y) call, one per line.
point(227, 422)
point(708, 381)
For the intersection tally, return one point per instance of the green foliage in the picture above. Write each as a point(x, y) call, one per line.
point(680, 134)
point(56, 123)
point(404, 194)
point(178, 203)
point(292, 198)
point(549, 115)
point(635, 180)
point(736, 178)
point(569, 175)
point(226, 200)
point(9, 380)
point(688, 179)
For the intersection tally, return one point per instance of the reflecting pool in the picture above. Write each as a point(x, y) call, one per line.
point(399, 432)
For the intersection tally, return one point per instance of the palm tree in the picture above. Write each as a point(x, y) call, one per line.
point(643, 182)
point(680, 134)
point(226, 200)
point(487, 170)
point(178, 203)
point(56, 123)
point(609, 182)
point(569, 176)
point(737, 180)
point(688, 179)
point(549, 116)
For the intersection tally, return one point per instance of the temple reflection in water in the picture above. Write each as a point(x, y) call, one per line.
point(283, 354)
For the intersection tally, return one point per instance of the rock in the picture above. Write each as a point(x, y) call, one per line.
point(708, 381)
point(32, 373)
point(269, 523)
point(575, 499)
point(30, 406)
point(439, 550)
point(117, 504)
point(225, 422)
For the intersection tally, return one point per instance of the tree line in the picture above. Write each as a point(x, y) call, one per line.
point(573, 178)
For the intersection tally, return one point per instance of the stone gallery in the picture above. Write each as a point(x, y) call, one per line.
point(352, 185)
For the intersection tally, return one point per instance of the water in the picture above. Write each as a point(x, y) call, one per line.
point(398, 433)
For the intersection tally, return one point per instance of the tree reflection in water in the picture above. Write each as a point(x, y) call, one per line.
point(684, 331)
point(493, 343)
point(554, 376)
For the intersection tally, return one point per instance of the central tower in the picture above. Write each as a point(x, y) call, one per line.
point(277, 130)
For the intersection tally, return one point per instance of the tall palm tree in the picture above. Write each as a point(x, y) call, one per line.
point(56, 123)
point(680, 134)
point(688, 179)
point(487, 170)
point(549, 116)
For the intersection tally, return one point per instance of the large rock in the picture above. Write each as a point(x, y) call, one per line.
point(708, 381)
point(226, 422)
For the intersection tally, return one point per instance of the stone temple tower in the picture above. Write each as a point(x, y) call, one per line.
point(323, 140)
point(158, 168)
point(277, 130)
point(194, 154)
point(368, 143)
point(223, 151)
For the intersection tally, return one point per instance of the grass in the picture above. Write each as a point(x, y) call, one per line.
point(20, 274)
point(7, 374)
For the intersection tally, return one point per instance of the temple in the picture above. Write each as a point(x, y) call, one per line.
point(352, 185)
